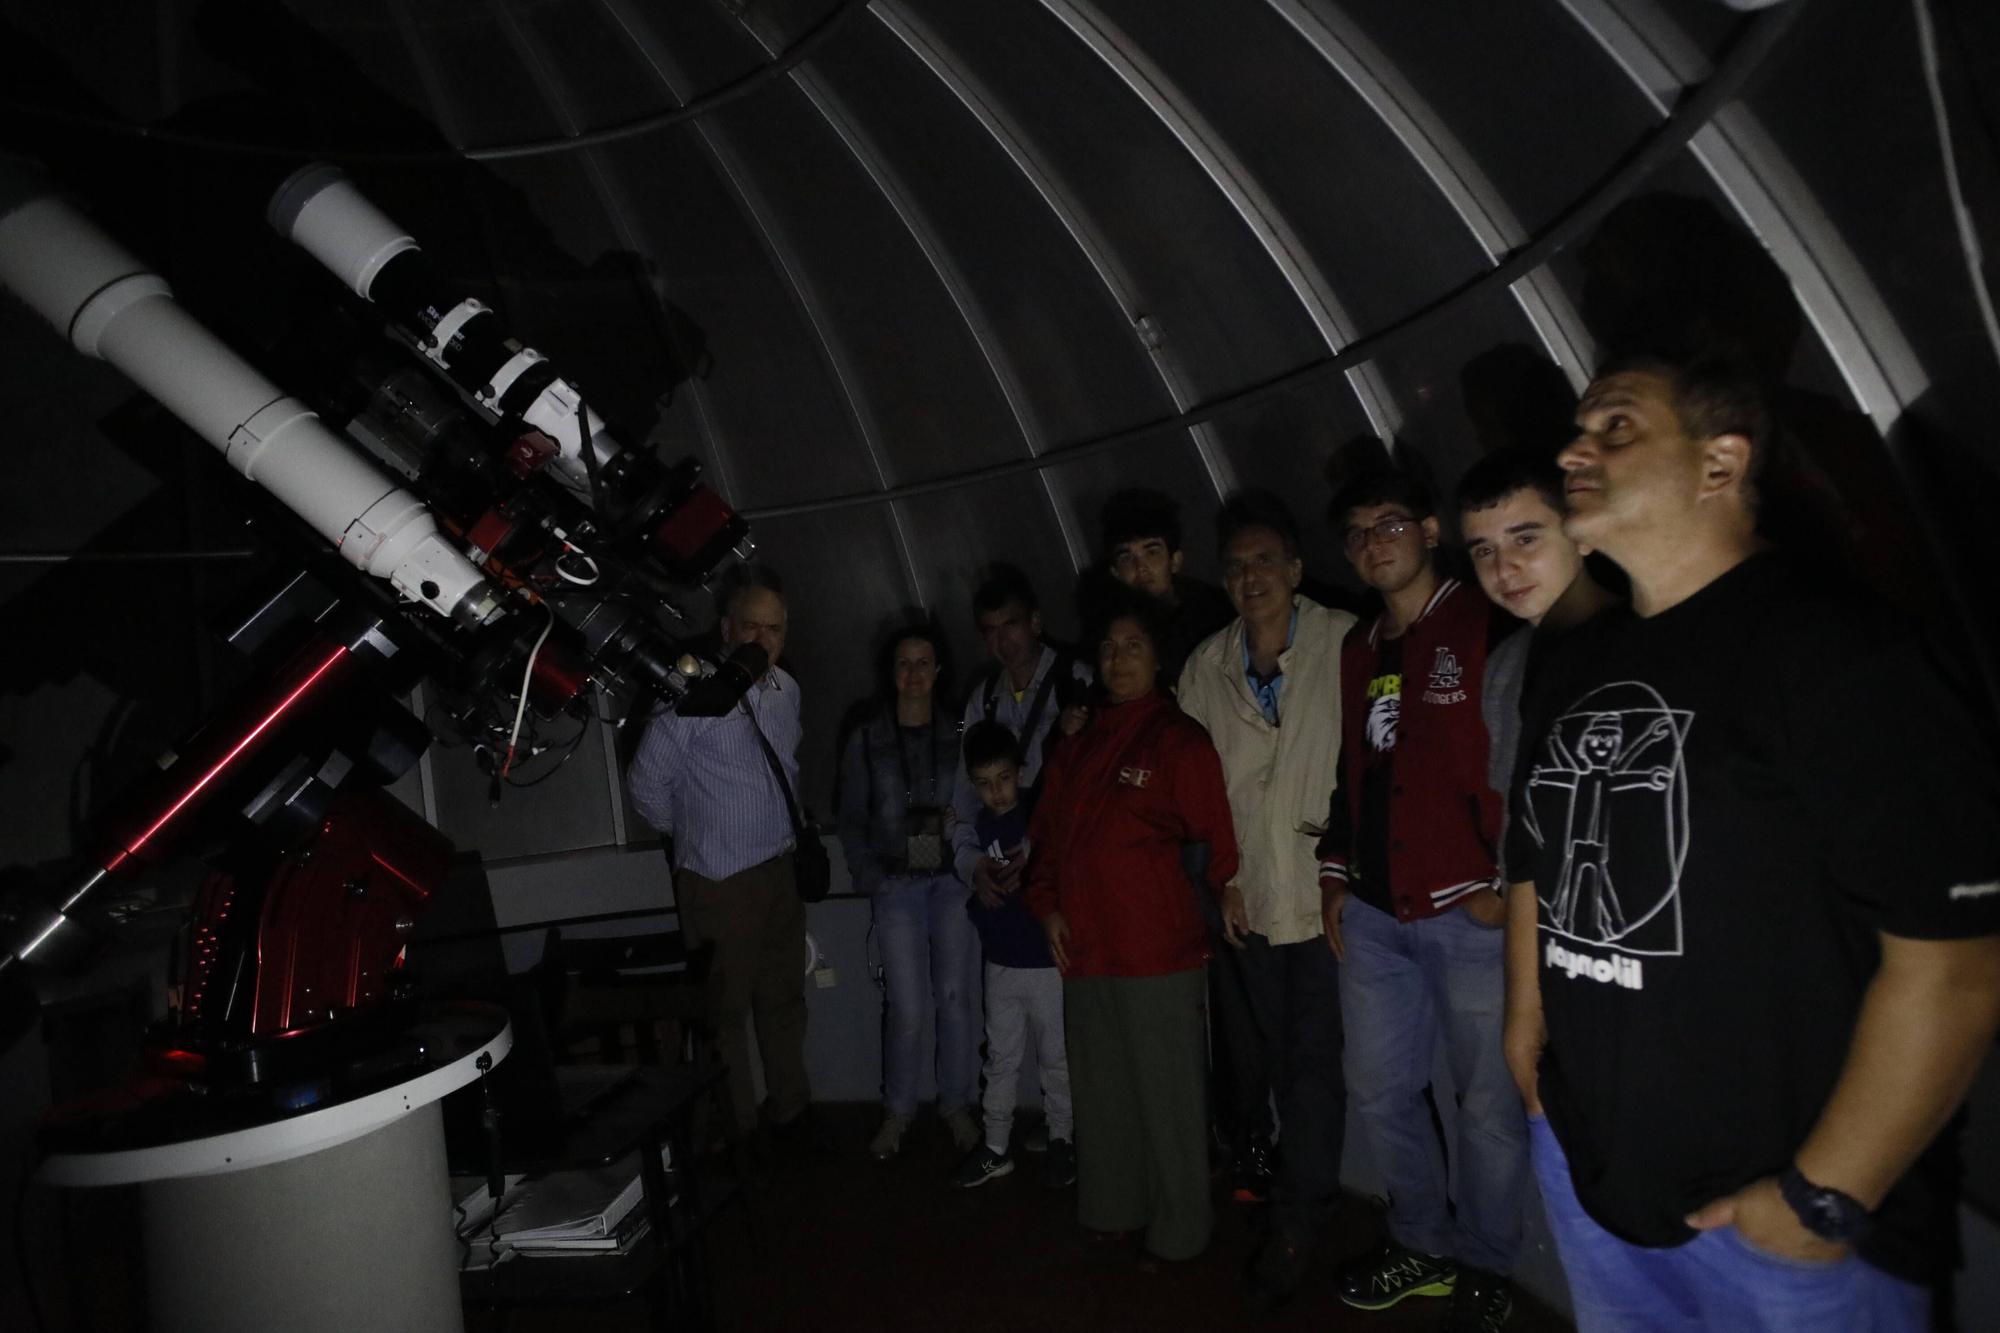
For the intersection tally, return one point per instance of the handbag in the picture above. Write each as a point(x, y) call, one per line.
point(924, 844)
point(812, 868)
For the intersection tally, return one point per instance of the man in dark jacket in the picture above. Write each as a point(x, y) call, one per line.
point(1407, 881)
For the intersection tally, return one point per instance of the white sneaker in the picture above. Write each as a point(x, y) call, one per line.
point(965, 1132)
point(888, 1140)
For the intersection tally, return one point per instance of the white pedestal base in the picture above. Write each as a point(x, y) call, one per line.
point(334, 1221)
point(356, 1236)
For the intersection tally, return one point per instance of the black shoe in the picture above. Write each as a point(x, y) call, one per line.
point(1059, 1167)
point(1274, 1278)
point(1255, 1168)
point(1480, 1303)
point(981, 1165)
point(1393, 1273)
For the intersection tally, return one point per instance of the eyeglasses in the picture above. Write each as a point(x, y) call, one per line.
point(1387, 530)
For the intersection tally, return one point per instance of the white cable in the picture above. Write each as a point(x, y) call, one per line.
point(527, 674)
point(577, 579)
point(1968, 237)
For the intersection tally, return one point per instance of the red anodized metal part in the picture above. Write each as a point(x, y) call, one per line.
point(530, 450)
point(336, 912)
point(558, 676)
point(490, 529)
point(685, 535)
point(213, 902)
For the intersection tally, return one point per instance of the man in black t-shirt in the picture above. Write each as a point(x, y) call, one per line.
point(1764, 837)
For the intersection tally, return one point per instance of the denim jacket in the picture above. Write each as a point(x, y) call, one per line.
point(875, 799)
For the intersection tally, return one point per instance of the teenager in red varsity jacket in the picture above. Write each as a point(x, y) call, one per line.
point(1439, 827)
point(1409, 895)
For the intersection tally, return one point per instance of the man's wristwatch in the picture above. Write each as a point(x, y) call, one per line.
point(1827, 1213)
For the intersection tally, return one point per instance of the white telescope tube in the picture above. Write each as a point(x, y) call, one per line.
point(325, 213)
point(110, 306)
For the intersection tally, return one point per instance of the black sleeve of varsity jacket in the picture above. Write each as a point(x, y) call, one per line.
point(1335, 846)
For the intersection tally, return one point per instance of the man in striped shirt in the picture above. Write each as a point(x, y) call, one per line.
point(708, 784)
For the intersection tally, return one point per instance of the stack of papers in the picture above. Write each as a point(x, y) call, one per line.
point(570, 1208)
point(585, 1212)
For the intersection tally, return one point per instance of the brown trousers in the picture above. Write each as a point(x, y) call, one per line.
point(758, 927)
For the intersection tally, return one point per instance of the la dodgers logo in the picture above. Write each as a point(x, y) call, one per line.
point(1446, 678)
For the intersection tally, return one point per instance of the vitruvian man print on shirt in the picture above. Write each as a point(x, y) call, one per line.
point(1607, 801)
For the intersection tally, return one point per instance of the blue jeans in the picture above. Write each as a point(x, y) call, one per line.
point(1716, 1281)
point(930, 950)
point(1403, 986)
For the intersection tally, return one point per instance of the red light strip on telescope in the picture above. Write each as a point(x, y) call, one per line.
point(420, 890)
point(133, 847)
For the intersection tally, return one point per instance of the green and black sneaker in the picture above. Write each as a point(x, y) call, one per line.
point(1392, 1273)
point(1480, 1304)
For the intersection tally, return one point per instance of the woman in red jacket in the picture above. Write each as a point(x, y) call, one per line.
point(1118, 801)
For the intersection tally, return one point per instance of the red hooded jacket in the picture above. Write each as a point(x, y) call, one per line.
point(1117, 802)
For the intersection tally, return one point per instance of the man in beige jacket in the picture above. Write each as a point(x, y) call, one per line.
point(1267, 687)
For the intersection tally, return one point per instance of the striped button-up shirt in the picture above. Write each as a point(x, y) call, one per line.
point(704, 781)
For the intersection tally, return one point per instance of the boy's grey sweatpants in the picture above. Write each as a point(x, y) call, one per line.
point(1022, 1002)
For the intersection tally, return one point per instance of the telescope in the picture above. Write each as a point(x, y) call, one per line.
point(462, 519)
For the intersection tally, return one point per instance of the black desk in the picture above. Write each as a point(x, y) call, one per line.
point(668, 1267)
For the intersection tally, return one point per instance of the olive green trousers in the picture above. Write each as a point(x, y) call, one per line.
point(1137, 1062)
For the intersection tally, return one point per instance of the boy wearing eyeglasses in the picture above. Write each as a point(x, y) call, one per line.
point(1410, 904)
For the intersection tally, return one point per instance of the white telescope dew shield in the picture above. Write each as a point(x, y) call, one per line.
point(110, 306)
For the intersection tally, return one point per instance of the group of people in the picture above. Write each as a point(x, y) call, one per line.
point(1678, 869)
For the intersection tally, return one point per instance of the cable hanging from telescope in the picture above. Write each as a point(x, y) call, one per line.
point(527, 675)
point(570, 748)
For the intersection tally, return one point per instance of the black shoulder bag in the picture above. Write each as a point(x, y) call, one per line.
point(812, 869)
